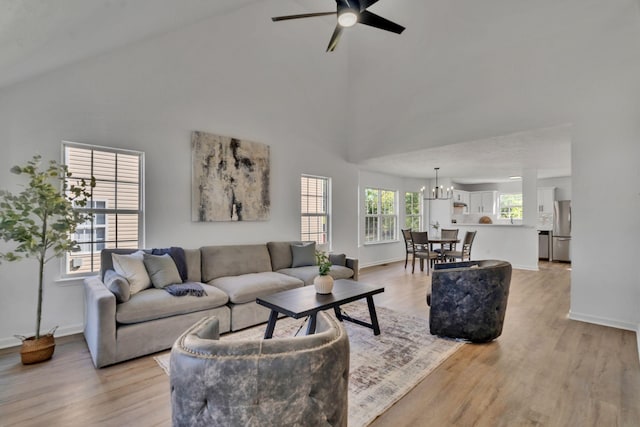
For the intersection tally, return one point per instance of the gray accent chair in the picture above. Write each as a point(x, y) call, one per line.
point(469, 299)
point(297, 381)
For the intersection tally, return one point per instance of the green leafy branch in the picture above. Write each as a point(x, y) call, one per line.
point(42, 218)
point(324, 265)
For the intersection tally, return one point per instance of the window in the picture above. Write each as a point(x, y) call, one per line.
point(314, 209)
point(116, 203)
point(510, 206)
point(380, 221)
point(86, 234)
point(412, 210)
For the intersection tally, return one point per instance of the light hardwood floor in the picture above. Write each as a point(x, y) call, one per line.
point(544, 370)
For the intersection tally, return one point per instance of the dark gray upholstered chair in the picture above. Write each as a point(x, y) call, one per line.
point(469, 299)
point(297, 381)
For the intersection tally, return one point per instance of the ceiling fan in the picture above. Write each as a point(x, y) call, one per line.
point(349, 13)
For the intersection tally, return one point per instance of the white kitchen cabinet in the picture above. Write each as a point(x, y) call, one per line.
point(460, 201)
point(546, 197)
point(482, 202)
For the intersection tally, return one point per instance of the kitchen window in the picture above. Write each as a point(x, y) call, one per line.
point(510, 206)
point(116, 203)
point(315, 210)
point(381, 215)
point(412, 210)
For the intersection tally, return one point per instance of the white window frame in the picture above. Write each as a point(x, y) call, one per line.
point(510, 207)
point(378, 218)
point(107, 210)
point(409, 218)
point(308, 217)
point(92, 226)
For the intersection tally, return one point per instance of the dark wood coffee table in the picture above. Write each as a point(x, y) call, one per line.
point(304, 301)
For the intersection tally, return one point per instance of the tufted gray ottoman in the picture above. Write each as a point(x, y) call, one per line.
point(469, 299)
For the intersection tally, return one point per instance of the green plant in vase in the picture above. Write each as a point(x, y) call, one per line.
point(40, 221)
point(323, 282)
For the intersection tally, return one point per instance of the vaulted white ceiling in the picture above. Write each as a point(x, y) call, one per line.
point(448, 91)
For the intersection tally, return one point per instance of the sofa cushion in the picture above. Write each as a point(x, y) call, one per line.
point(247, 287)
point(118, 285)
point(223, 261)
point(132, 268)
point(162, 270)
point(156, 303)
point(280, 253)
point(307, 274)
point(194, 272)
point(338, 259)
point(303, 254)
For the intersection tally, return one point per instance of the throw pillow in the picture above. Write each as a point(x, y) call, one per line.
point(338, 259)
point(178, 256)
point(303, 255)
point(162, 270)
point(118, 285)
point(131, 267)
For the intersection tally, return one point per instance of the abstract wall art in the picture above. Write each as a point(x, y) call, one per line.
point(230, 179)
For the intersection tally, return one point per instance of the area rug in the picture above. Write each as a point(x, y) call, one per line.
point(383, 368)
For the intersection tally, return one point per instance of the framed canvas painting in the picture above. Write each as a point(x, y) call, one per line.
point(230, 179)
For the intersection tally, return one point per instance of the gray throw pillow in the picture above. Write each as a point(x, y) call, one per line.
point(118, 285)
point(338, 259)
point(303, 255)
point(162, 270)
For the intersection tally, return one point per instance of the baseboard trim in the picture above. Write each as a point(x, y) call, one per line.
point(7, 342)
point(603, 321)
point(383, 262)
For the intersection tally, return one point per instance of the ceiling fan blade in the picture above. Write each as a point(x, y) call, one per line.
point(364, 4)
point(335, 38)
point(373, 20)
point(304, 15)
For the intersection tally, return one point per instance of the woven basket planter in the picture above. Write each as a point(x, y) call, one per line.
point(37, 350)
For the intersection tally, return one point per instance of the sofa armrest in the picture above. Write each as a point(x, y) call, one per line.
point(352, 263)
point(100, 321)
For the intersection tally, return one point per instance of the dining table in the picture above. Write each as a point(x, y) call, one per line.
point(442, 241)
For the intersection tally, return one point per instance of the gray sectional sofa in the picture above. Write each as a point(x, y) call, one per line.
point(233, 276)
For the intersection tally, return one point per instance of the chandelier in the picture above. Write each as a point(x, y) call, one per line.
point(438, 192)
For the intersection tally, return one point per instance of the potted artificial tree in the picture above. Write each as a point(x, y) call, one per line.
point(323, 282)
point(40, 222)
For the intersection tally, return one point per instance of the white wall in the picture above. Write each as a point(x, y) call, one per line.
point(149, 97)
point(562, 185)
point(538, 65)
point(515, 244)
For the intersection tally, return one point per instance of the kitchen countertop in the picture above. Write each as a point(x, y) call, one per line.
point(490, 225)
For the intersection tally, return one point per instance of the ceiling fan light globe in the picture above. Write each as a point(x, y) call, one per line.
point(347, 18)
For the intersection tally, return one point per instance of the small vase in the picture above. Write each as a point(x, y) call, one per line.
point(323, 284)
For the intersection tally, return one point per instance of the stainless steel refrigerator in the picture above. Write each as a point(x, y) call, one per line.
point(562, 230)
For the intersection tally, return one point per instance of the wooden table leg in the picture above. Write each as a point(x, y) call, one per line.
point(338, 313)
point(271, 324)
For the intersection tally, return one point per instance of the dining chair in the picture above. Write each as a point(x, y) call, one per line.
point(465, 251)
point(444, 247)
point(420, 242)
point(408, 246)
